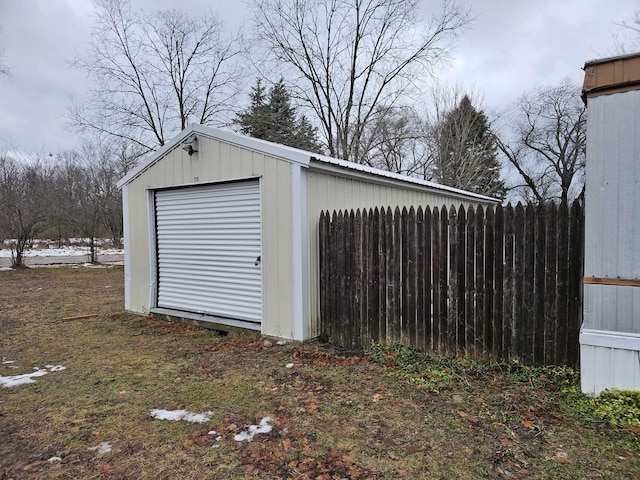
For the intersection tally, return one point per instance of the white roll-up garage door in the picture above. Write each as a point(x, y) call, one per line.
point(208, 247)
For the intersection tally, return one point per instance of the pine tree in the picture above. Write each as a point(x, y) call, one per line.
point(467, 152)
point(254, 121)
point(273, 118)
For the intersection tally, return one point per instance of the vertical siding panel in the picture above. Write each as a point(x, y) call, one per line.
point(225, 165)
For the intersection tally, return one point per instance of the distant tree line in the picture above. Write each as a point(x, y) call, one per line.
point(73, 194)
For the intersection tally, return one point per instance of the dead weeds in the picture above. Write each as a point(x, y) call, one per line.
point(334, 415)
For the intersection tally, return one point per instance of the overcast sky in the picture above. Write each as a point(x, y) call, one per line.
point(511, 47)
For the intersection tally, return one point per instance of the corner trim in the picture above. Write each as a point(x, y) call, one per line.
point(608, 339)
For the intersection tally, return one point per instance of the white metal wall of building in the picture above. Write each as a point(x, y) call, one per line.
point(208, 247)
point(217, 161)
point(612, 223)
point(610, 337)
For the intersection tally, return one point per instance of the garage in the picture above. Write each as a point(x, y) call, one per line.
point(208, 250)
point(221, 229)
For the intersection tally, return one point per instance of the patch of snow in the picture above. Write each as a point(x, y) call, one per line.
point(104, 447)
point(15, 380)
point(55, 459)
point(7, 362)
point(218, 437)
point(175, 415)
point(289, 365)
point(72, 251)
point(5, 269)
point(252, 430)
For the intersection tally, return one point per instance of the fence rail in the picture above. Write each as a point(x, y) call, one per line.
point(503, 282)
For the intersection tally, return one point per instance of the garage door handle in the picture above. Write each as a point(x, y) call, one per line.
point(257, 261)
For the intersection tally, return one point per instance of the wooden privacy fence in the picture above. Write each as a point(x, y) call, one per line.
point(503, 282)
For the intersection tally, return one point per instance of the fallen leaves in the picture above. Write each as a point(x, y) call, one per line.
point(475, 421)
point(528, 424)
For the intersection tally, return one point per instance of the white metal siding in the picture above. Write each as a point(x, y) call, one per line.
point(609, 360)
point(612, 211)
point(208, 241)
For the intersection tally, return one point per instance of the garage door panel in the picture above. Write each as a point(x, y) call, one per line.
point(208, 240)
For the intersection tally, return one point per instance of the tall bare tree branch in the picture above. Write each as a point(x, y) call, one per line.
point(548, 143)
point(349, 57)
point(156, 73)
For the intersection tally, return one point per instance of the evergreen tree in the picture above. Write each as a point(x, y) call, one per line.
point(272, 117)
point(467, 156)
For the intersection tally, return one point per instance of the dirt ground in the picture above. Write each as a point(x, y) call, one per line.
point(333, 416)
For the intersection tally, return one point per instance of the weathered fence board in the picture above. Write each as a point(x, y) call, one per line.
point(499, 282)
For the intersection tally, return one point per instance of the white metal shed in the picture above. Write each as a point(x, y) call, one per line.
point(610, 336)
point(228, 233)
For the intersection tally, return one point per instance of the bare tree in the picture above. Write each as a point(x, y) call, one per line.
point(4, 69)
point(349, 57)
point(395, 141)
point(88, 200)
point(547, 150)
point(627, 34)
point(24, 204)
point(155, 73)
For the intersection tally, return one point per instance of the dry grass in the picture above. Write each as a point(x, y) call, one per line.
point(334, 417)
